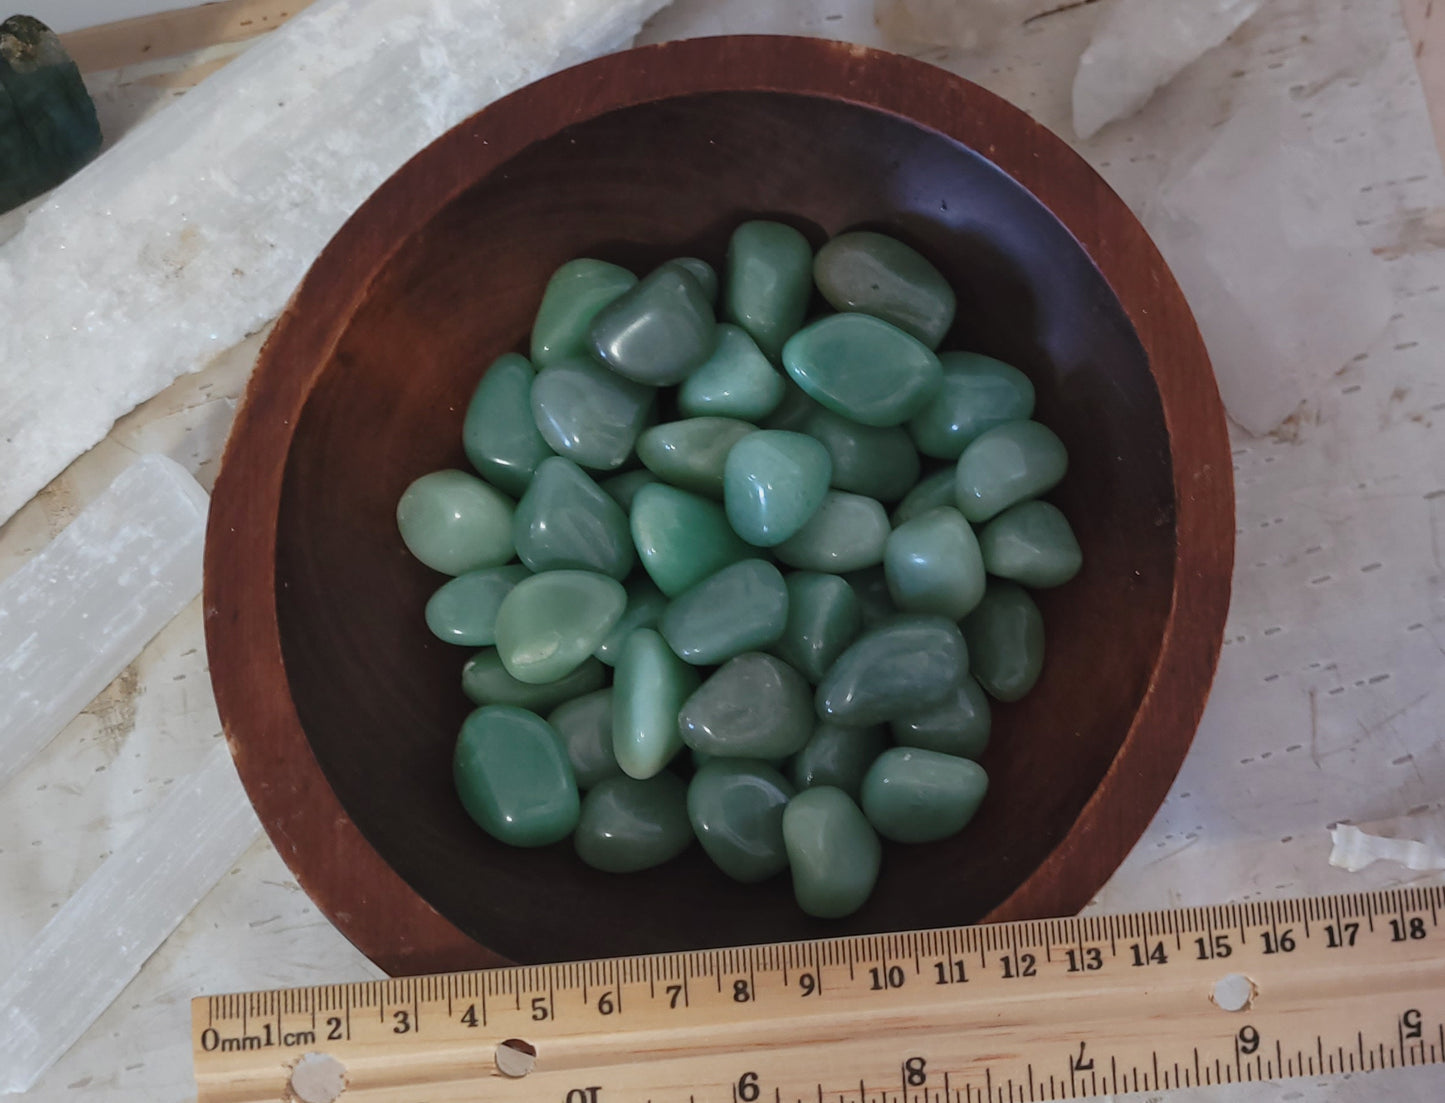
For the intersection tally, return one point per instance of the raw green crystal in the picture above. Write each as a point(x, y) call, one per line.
point(645, 603)
point(936, 490)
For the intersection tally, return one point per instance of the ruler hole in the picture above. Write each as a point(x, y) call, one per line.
point(516, 1058)
point(318, 1078)
point(1234, 992)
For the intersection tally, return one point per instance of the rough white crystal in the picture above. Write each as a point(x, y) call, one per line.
point(194, 229)
point(956, 24)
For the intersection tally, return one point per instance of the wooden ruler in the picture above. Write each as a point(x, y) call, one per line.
point(1053, 1009)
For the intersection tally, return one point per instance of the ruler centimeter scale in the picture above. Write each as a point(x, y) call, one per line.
point(1007, 1013)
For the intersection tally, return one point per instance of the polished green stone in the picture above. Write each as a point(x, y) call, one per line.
point(839, 757)
point(629, 825)
point(691, 453)
point(793, 411)
point(513, 777)
point(753, 706)
point(699, 760)
point(773, 483)
point(876, 462)
point(911, 795)
point(1008, 464)
point(936, 490)
point(464, 610)
point(863, 368)
point(485, 681)
point(682, 538)
point(905, 664)
point(1005, 637)
point(847, 533)
point(1031, 543)
point(455, 523)
point(552, 622)
point(874, 600)
point(824, 617)
point(768, 282)
point(742, 607)
point(574, 295)
point(565, 520)
point(736, 381)
point(703, 272)
point(959, 726)
point(584, 724)
point(499, 435)
point(736, 808)
point(589, 414)
point(933, 564)
point(658, 332)
point(875, 274)
point(645, 603)
point(650, 686)
point(832, 850)
point(978, 392)
point(623, 488)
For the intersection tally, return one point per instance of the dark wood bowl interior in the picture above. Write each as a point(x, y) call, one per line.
point(371, 370)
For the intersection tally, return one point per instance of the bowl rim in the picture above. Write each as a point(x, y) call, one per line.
point(324, 849)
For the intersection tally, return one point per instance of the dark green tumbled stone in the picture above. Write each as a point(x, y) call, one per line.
point(701, 271)
point(1031, 543)
point(753, 706)
point(876, 462)
point(691, 453)
point(499, 436)
point(847, 533)
point(455, 523)
point(485, 681)
point(574, 295)
point(658, 332)
point(959, 726)
point(682, 538)
point(584, 725)
point(839, 757)
point(627, 825)
point(623, 488)
point(645, 603)
point(933, 564)
point(905, 664)
point(513, 777)
point(793, 411)
point(824, 617)
point(915, 796)
point(874, 600)
point(736, 808)
point(1006, 641)
point(565, 520)
point(1010, 463)
point(742, 607)
point(589, 414)
point(863, 368)
point(977, 393)
point(736, 381)
point(832, 850)
point(464, 610)
point(936, 490)
point(768, 282)
point(650, 686)
point(879, 275)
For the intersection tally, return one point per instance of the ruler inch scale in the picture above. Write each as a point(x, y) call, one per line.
point(1008, 1013)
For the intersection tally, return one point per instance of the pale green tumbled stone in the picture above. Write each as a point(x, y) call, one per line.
point(464, 610)
point(977, 393)
point(839, 757)
point(905, 664)
point(650, 686)
point(933, 565)
point(742, 607)
point(589, 414)
point(658, 332)
point(911, 795)
point(736, 808)
point(847, 533)
point(645, 603)
point(485, 681)
point(875, 274)
point(959, 726)
point(1008, 464)
point(513, 777)
point(565, 520)
point(574, 295)
point(874, 600)
point(875, 462)
point(584, 724)
point(629, 825)
point(753, 706)
point(1031, 543)
point(1005, 637)
point(691, 453)
point(824, 617)
point(832, 850)
point(552, 622)
point(682, 538)
point(773, 483)
point(499, 436)
point(768, 282)
point(938, 489)
point(737, 380)
point(455, 523)
point(703, 272)
point(623, 488)
point(863, 368)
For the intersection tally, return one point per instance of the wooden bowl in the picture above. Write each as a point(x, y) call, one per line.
point(342, 710)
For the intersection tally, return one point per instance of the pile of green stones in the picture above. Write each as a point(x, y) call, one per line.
point(711, 535)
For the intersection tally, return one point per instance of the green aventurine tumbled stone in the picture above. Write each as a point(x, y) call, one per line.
point(454, 523)
point(703, 272)
point(1005, 637)
point(879, 275)
point(847, 533)
point(754, 706)
point(658, 332)
point(977, 393)
point(905, 664)
point(650, 686)
point(589, 414)
point(584, 725)
point(736, 808)
point(933, 564)
point(464, 610)
point(915, 796)
point(574, 295)
point(485, 681)
point(871, 586)
point(552, 622)
point(877, 462)
point(736, 380)
point(839, 757)
point(565, 520)
point(1031, 543)
point(1008, 464)
point(824, 617)
point(773, 482)
point(740, 608)
point(645, 603)
point(794, 409)
point(513, 777)
point(623, 488)
point(499, 435)
point(959, 726)
point(682, 538)
point(833, 852)
point(769, 282)
point(629, 825)
point(691, 453)
point(863, 368)
point(936, 490)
